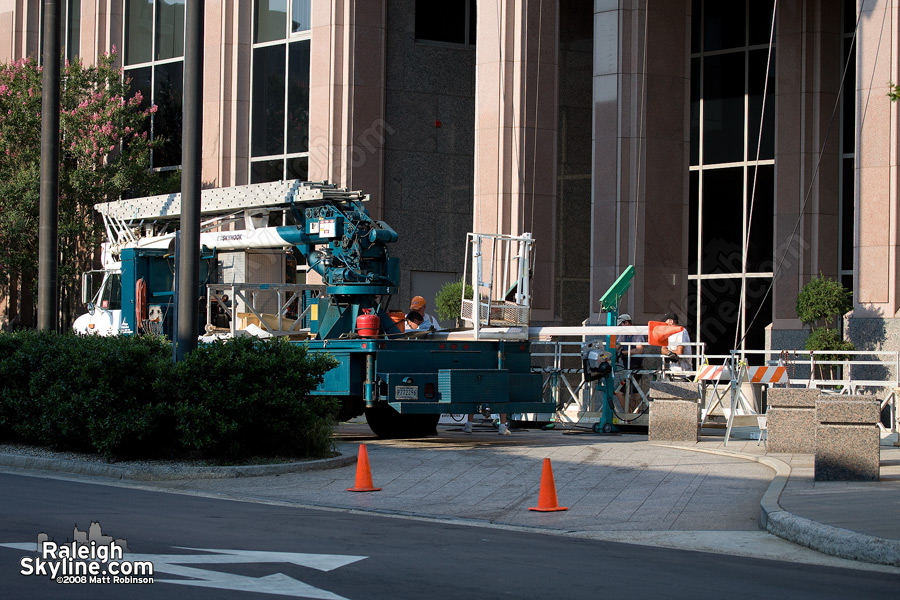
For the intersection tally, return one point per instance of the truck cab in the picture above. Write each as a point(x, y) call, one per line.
point(101, 292)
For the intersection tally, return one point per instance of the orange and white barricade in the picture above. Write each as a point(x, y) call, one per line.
point(742, 402)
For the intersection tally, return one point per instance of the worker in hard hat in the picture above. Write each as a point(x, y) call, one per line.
point(428, 322)
point(627, 359)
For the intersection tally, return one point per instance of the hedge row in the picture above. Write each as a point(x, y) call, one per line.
point(124, 398)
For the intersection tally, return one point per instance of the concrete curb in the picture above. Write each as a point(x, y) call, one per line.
point(161, 473)
point(820, 537)
point(834, 541)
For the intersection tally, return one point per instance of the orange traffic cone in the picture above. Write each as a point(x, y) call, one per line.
point(547, 499)
point(363, 474)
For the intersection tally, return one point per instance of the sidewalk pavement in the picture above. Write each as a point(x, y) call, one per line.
point(618, 487)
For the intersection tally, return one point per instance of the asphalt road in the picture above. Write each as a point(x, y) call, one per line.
point(212, 548)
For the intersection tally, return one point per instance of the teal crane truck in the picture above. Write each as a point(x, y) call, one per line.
point(401, 382)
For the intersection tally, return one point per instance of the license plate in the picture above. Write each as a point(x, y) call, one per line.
point(406, 392)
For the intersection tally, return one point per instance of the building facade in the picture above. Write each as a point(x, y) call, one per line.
point(728, 160)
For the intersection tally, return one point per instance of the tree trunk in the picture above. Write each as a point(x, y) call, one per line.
point(26, 304)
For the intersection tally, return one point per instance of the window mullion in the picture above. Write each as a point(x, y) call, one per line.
point(284, 133)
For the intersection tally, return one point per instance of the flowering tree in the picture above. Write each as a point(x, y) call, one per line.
point(104, 150)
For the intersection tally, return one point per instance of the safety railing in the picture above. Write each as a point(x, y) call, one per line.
point(875, 373)
point(560, 373)
point(565, 381)
point(277, 309)
point(501, 281)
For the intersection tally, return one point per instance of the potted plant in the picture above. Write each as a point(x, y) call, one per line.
point(819, 304)
point(448, 301)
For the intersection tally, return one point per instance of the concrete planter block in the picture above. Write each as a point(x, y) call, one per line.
point(847, 439)
point(674, 420)
point(792, 421)
point(792, 398)
point(849, 410)
point(791, 430)
point(674, 389)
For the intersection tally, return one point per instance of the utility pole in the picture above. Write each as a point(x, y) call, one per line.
point(188, 272)
point(48, 227)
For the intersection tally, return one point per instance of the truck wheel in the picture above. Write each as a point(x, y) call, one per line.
point(385, 422)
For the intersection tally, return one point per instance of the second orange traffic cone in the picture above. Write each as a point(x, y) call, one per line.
point(363, 474)
point(547, 501)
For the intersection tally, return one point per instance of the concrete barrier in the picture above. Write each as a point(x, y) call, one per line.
point(791, 420)
point(847, 439)
point(674, 412)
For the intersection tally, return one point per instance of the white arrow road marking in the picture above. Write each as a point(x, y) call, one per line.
point(277, 583)
point(321, 562)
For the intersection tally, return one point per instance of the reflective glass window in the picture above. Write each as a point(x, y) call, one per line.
point(756, 84)
point(298, 97)
point(300, 15)
point(723, 108)
point(728, 78)
point(298, 168)
point(169, 29)
point(168, 92)
point(696, 9)
point(279, 110)
point(262, 171)
point(138, 31)
point(73, 28)
point(760, 21)
point(762, 234)
point(268, 101)
point(694, 221)
point(695, 111)
point(848, 108)
point(724, 24)
point(848, 181)
point(722, 213)
point(141, 80)
point(270, 20)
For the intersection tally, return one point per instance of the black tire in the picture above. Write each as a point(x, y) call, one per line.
point(385, 422)
point(596, 428)
point(607, 428)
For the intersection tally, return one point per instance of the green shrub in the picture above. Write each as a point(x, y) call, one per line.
point(448, 301)
point(15, 379)
point(122, 397)
point(251, 397)
point(829, 339)
point(819, 303)
point(821, 300)
point(82, 393)
point(130, 415)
